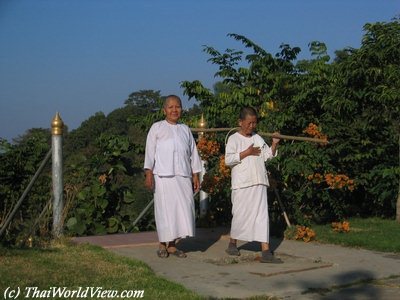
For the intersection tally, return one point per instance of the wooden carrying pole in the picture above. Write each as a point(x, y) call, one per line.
point(279, 136)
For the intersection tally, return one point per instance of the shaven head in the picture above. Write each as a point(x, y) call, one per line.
point(247, 121)
point(172, 97)
point(172, 109)
point(247, 111)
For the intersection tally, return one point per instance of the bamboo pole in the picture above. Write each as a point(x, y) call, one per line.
point(280, 136)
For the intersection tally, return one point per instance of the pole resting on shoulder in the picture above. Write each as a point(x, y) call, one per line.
point(268, 134)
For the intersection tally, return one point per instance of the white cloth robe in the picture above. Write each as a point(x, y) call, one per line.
point(250, 221)
point(172, 155)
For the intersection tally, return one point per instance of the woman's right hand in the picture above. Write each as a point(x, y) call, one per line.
point(149, 180)
point(256, 151)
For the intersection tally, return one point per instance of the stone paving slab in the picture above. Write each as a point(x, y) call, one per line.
point(309, 271)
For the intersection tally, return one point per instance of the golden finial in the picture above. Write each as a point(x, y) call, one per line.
point(57, 125)
point(202, 123)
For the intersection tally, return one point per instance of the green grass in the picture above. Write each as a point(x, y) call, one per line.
point(68, 265)
point(371, 233)
point(73, 266)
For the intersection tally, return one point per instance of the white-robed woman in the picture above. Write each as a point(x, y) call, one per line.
point(246, 153)
point(172, 166)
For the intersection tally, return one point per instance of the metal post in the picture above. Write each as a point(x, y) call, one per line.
point(203, 195)
point(57, 174)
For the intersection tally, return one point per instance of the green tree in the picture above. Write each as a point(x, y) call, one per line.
point(147, 99)
point(367, 98)
point(338, 99)
point(86, 134)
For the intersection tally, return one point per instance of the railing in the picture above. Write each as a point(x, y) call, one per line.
point(55, 152)
point(26, 191)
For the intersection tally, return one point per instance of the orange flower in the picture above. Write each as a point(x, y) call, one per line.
point(304, 233)
point(213, 183)
point(314, 131)
point(341, 226)
point(346, 226)
point(224, 170)
point(207, 148)
point(339, 181)
point(317, 178)
point(103, 179)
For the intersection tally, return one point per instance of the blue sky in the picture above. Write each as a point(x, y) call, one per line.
point(81, 57)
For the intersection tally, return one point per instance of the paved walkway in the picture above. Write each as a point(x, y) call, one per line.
point(309, 271)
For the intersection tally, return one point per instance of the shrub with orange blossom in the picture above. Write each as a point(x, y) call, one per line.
point(214, 182)
point(207, 148)
point(224, 170)
point(314, 131)
point(334, 181)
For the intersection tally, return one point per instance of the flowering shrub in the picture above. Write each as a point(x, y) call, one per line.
point(211, 184)
point(224, 170)
point(207, 148)
point(314, 131)
point(216, 179)
point(337, 181)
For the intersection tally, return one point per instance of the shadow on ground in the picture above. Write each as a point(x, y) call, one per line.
point(204, 239)
point(349, 285)
point(255, 246)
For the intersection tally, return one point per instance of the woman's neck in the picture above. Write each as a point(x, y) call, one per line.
point(171, 122)
point(244, 134)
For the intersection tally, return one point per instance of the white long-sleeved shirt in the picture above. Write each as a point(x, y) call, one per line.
point(171, 150)
point(251, 169)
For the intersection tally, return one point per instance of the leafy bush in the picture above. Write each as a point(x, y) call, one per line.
point(107, 197)
point(18, 163)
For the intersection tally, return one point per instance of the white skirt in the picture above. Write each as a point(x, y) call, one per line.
point(250, 221)
point(174, 207)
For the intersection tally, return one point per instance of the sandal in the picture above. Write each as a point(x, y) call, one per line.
point(232, 250)
point(178, 253)
point(162, 253)
point(268, 257)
